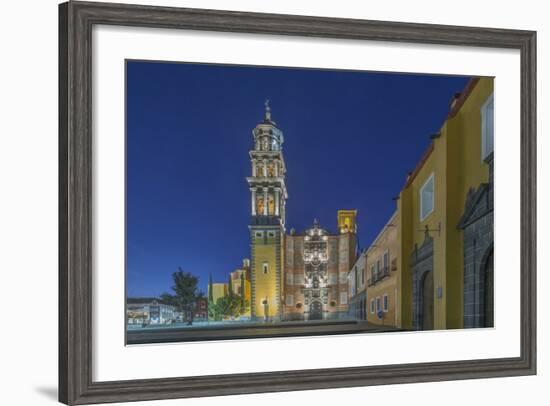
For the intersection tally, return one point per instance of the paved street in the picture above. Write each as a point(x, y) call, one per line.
point(238, 330)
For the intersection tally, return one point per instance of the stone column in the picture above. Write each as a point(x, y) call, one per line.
point(253, 168)
point(265, 168)
point(253, 194)
point(276, 202)
point(265, 200)
point(277, 169)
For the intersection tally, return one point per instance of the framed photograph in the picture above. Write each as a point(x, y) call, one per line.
point(259, 202)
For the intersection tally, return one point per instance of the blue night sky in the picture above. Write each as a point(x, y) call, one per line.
point(350, 139)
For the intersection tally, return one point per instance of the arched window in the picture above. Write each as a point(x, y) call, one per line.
point(260, 205)
point(271, 170)
point(259, 170)
point(271, 205)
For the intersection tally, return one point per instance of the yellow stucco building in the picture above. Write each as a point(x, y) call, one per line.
point(219, 290)
point(445, 221)
point(383, 279)
point(240, 280)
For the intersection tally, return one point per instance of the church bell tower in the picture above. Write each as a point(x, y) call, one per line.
point(267, 224)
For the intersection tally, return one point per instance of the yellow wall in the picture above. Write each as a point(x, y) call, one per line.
point(388, 241)
point(218, 290)
point(457, 166)
point(236, 279)
point(466, 170)
point(386, 287)
point(265, 285)
point(405, 234)
point(347, 221)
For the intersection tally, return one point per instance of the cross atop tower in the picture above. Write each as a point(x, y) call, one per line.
point(267, 110)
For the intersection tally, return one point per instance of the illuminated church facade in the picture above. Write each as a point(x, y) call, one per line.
point(295, 276)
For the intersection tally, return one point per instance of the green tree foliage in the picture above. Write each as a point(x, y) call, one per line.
point(228, 306)
point(186, 294)
point(210, 289)
point(211, 304)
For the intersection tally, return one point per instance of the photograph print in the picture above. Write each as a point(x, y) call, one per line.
point(270, 201)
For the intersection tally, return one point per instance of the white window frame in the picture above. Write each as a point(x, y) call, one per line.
point(378, 304)
point(298, 279)
point(487, 127)
point(385, 303)
point(431, 179)
point(265, 268)
point(290, 279)
point(344, 298)
point(386, 260)
point(289, 300)
point(372, 306)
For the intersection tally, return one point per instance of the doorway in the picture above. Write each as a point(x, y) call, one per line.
point(428, 301)
point(316, 311)
point(489, 300)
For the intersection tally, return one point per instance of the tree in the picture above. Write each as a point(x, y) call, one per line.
point(186, 293)
point(210, 289)
point(214, 312)
point(230, 305)
point(211, 304)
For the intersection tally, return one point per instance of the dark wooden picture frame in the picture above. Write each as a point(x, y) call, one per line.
point(76, 20)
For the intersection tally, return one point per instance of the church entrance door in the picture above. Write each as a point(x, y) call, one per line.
point(489, 298)
point(316, 311)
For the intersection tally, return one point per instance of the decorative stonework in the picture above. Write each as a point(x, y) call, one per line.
point(421, 263)
point(358, 306)
point(315, 256)
point(478, 226)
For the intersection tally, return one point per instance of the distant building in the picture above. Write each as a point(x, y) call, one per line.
point(240, 279)
point(149, 310)
point(357, 288)
point(383, 278)
point(201, 309)
point(219, 290)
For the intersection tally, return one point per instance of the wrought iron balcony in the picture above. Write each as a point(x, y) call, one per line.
point(378, 276)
